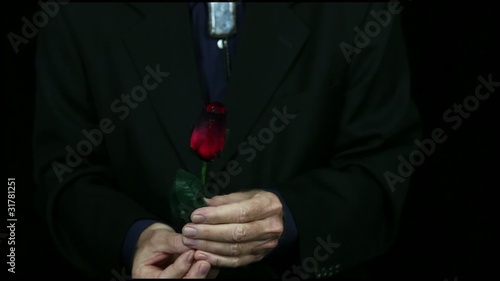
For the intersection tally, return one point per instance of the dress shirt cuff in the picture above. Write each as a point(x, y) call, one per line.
point(130, 243)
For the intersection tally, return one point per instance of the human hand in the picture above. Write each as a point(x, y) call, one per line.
point(235, 229)
point(161, 254)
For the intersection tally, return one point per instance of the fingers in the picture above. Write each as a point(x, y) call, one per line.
point(224, 261)
point(157, 258)
point(159, 247)
point(200, 269)
point(233, 249)
point(235, 229)
point(230, 198)
point(234, 232)
point(186, 267)
point(252, 209)
point(180, 267)
point(170, 243)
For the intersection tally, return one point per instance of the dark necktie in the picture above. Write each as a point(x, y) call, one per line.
point(211, 58)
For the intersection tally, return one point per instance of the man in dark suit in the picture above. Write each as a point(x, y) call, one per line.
point(319, 110)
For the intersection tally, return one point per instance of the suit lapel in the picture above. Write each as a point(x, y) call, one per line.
point(164, 38)
point(271, 37)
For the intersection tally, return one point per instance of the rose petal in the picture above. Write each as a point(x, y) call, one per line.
point(209, 135)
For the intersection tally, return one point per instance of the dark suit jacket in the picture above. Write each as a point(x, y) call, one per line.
point(327, 129)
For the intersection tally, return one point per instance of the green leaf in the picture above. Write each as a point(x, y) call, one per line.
point(186, 196)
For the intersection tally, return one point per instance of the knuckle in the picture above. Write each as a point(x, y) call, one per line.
point(257, 258)
point(277, 210)
point(276, 206)
point(275, 227)
point(235, 262)
point(234, 249)
point(242, 214)
point(217, 262)
point(272, 244)
point(268, 246)
point(239, 233)
point(278, 228)
point(272, 200)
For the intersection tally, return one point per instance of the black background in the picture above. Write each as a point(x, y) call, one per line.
point(448, 226)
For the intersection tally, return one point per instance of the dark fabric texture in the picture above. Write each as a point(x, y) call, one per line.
point(119, 91)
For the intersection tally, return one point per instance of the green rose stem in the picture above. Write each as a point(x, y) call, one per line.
point(203, 172)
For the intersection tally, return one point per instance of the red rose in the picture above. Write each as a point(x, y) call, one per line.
point(209, 134)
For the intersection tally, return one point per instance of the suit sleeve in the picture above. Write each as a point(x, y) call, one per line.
point(348, 212)
point(88, 216)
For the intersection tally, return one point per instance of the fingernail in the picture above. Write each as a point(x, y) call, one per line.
point(189, 257)
point(204, 268)
point(189, 232)
point(189, 242)
point(202, 257)
point(198, 219)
